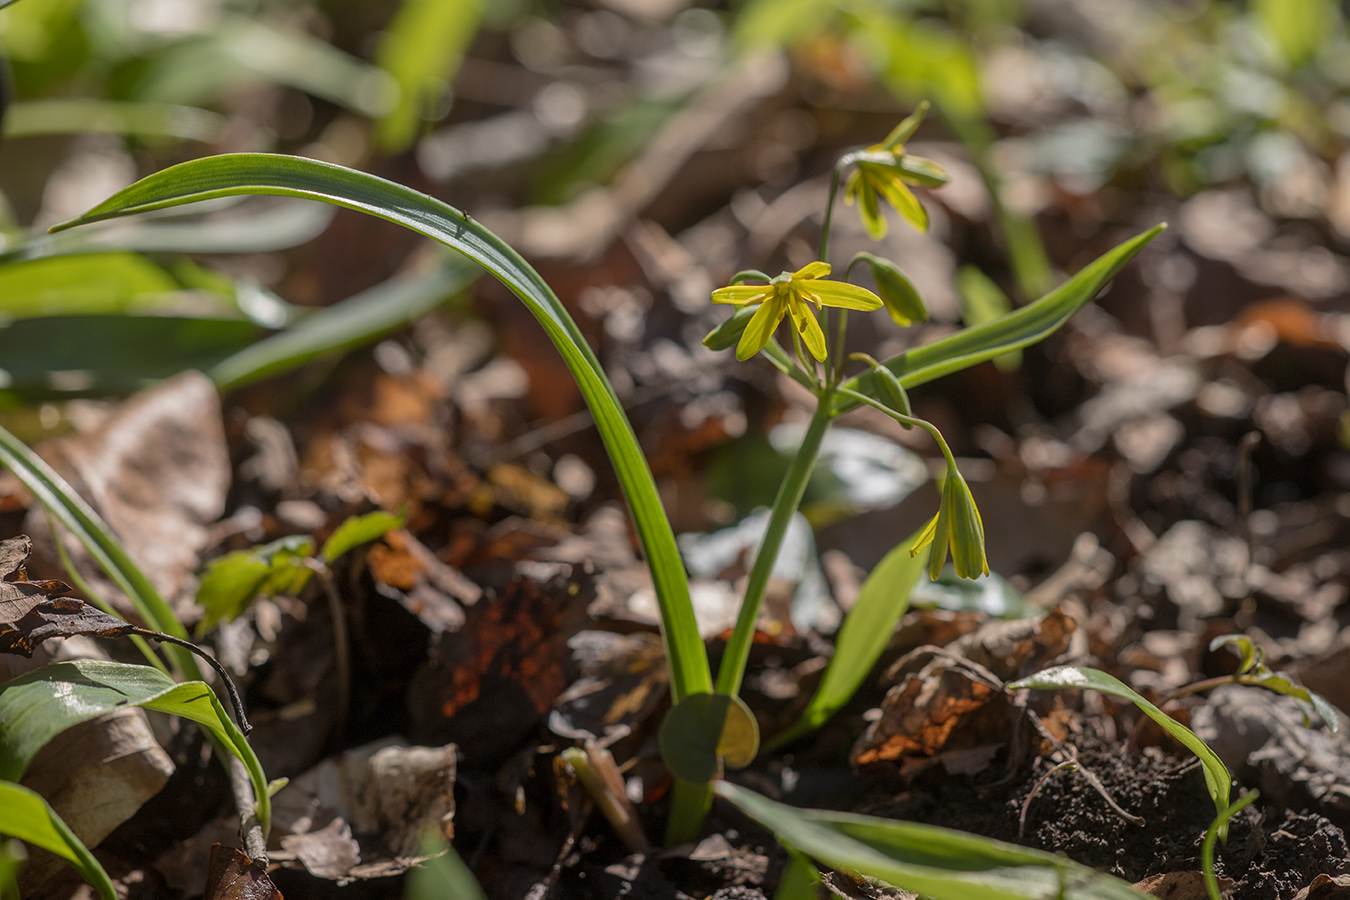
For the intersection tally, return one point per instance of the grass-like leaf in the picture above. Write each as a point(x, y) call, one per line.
point(351, 323)
point(112, 117)
point(260, 173)
point(933, 862)
point(1217, 779)
point(67, 507)
point(1021, 328)
point(28, 818)
point(40, 704)
point(422, 49)
point(867, 629)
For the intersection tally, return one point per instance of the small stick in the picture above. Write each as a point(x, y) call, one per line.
point(237, 703)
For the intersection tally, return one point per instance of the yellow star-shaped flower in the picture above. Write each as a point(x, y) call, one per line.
point(885, 171)
point(793, 293)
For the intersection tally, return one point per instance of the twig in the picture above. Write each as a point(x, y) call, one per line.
point(255, 844)
point(230, 689)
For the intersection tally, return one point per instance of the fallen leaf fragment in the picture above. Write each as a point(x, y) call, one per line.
point(1183, 886)
point(233, 876)
point(944, 709)
point(31, 612)
point(362, 814)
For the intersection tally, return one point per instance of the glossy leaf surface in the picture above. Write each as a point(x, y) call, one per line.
point(41, 704)
point(1018, 329)
point(930, 861)
point(260, 173)
point(1217, 779)
point(28, 818)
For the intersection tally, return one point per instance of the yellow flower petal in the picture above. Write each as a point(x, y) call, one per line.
point(742, 294)
point(904, 201)
point(805, 322)
point(843, 295)
point(812, 271)
point(760, 328)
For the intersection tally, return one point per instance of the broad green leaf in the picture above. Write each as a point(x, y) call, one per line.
point(703, 732)
point(1033, 322)
point(933, 862)
point(27, 817)
point(359, 530)
point(866, 631)
point(1217, 779)
point(422, 50)
point(41, 704)
point(236, 579)
point(259, 173)
point(72, 356)
point(104, 283)
point(350, 323)
point(112, 117)
point(442, 877)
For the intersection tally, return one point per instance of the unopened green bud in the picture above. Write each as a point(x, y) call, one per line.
point(906, 129)
point(956, 526)
point(898, 294)
point(922, 171)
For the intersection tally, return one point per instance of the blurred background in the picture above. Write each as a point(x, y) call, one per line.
point(640, 152)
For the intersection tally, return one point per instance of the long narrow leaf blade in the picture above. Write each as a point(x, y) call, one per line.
point(932, 862)
point(52, 491)
point(350, 323)
point(1217, 779)
point(867, 629)
point(41, 704)
point(28, 818)
point(1032, 323)
point(261, 173)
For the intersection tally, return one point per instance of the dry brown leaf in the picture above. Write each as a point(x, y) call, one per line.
point(233, 876)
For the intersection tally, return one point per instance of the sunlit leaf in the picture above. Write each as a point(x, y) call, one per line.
point(44, 702)
point(27, 817)
point(1021, 328)
point(232, 582)
point(704, 732)
point(256, 173)
point(422, 50)
point(933, 862)
point(359, 530)
point(1217, 779)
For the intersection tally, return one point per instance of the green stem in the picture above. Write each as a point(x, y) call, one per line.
point(689, 806)
point(734, 658)
point(1207, 848)
point(905, 420)
point(844, 162)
